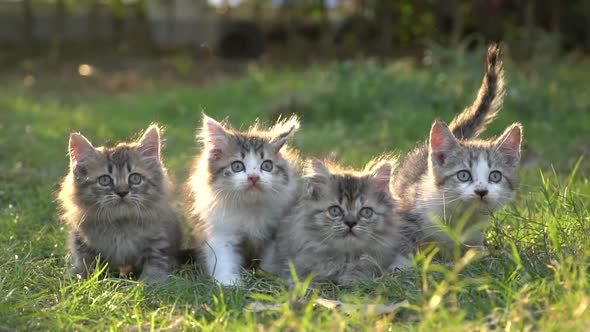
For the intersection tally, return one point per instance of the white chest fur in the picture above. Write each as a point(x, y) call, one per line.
point(441, 216)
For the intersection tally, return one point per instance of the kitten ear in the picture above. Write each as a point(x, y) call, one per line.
point(214, 136)
point(284, 130)
point(316, 174)
point(213, 132)
point(382, 175)
point(509, 143)
point(149, 143)
point(442, 142)
point(314, 168)
point(80, 148)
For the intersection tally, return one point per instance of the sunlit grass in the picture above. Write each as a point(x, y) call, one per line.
point(534, 275)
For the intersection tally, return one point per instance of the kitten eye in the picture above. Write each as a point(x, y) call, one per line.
point(237, 166)
point(135, 178)
point(105, 180)
point(366, 212)
point(495, 177)
point(266, 166)
point(335, 211)
point(464, 176)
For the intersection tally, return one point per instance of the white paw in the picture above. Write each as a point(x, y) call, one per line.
point(228, 279)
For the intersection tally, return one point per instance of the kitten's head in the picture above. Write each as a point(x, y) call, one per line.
point(126, 179)
point(480, 172)
point(252, 165)
point(349, 210)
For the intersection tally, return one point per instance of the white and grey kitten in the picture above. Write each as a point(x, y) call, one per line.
point(242, 184)
point(118, 206)
point(455, 177)
point(343, 228)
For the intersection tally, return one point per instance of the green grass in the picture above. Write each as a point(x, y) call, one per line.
point(535, 275)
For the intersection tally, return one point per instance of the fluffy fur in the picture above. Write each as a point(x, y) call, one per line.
point(455, 178)
point(117, 204)
point(343, 227)
point(242, 184)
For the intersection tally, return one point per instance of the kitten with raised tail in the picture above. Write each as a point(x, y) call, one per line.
point(117, 203)
point(343, 227)
point(457, 179)
point(241, 185)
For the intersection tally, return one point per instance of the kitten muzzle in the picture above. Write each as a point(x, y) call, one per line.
point(481, 193)
point(253, 178)
point(122, 193)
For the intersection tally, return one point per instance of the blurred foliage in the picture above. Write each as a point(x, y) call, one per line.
point(374, 24)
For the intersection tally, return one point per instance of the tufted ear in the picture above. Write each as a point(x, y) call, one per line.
point(316, 174)
point(149, 143)
point(314, 168)
point(382, 175)
point(213, 132)
point(80, 149)
point(283, 131)
point(215, 137)
point(442, 142)
point(509, 143)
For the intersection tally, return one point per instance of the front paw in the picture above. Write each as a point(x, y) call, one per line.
point(228, 279)
point(79, 271)
point(347, 281)
point(400, 263)
point(154, 274)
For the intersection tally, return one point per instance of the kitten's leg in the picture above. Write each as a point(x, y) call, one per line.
point(476, 241)
point(157, 262)
point(269, 261)
point(347, 280)
point(83, 257)
point(400, 263)
point(366, 268)
point(222, 260)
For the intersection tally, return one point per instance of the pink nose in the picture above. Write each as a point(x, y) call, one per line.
point(254, 178)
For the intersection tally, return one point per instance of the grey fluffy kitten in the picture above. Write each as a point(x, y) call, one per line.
point(242, 184)
point(343, 227)
point(455, 177)
point(117, 203)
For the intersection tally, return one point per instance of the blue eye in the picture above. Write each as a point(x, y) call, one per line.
point(135, 178)
point(495, 177)
point(105, 180)
point(266, 166)
point(335, 211)
point(237, 166)
point(464, 176)
point(366, 212)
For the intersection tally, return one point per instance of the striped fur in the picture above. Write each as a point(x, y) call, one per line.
point(345, 247)
point(473, 120)
point(428, 185)
point(234, 218)
point(137, 233)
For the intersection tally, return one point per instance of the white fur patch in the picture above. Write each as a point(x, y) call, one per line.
point(246, 214)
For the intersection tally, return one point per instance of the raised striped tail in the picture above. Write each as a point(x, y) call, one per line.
point(474, 119)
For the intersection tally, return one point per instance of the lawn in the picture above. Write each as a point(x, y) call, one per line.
point(534, 275)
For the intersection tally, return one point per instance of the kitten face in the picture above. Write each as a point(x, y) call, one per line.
point(120, 181)
point(348, 211)
point(249, 165)
point(475, 172)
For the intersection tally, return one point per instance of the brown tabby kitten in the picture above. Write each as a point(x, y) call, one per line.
point(343, 227)
point(117, 204)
